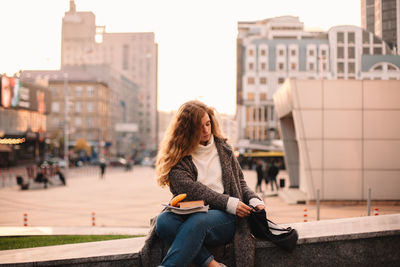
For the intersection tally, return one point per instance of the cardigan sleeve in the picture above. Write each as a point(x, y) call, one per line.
point(182, 180)
point(246, 191)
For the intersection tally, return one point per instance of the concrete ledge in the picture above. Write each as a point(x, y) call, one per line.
point(373, 240)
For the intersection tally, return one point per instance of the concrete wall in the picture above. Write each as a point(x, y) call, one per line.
point(347, 134)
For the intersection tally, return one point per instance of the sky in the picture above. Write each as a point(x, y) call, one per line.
point(196, 38)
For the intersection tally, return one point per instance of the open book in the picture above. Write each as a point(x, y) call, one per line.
point(188, 207)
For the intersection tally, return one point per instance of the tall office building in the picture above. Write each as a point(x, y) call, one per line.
point(273, 50)
point(134, 55)
point(382, 17)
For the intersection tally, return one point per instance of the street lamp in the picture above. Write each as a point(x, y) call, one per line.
point(66, 123)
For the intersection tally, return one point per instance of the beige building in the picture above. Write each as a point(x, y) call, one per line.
point(132, 54)
point(341, 137)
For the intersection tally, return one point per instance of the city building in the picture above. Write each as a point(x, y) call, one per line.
point(134, 55)
point(341, 138)
point(382, 17)
point(24, 109)
point(95, 112)
point(273, 50)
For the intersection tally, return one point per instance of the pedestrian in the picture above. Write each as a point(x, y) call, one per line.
point(196, 159)
point(60, 175)
point(272, 174)
point(260, 175)
point(103, 166)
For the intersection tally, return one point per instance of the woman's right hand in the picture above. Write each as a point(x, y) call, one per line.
point(242, 210)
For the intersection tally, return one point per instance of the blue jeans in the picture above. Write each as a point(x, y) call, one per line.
point(187, 235)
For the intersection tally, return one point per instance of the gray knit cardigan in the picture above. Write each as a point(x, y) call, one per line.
point(183, 179)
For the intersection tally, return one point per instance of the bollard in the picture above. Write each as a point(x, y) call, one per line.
point(25, 219)
point(376, 212)
point(93, 219)
point(305, 215)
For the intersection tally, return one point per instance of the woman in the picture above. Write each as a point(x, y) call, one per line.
point(195, 159)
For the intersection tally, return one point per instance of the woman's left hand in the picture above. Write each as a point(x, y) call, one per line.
point(260, 207)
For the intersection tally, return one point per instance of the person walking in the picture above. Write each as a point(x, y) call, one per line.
point(260, 176)
point(196, 159)
point(273, 171)
point(103, 166)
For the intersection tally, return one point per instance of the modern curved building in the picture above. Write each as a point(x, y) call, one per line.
point(341, 137)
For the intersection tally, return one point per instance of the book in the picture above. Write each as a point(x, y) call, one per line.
point(188, 208)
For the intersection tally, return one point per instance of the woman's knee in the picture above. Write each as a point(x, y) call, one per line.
point(167, 224)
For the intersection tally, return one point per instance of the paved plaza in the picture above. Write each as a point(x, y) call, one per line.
point(132, 198)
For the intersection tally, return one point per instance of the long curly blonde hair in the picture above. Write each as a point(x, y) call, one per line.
point(183, 136)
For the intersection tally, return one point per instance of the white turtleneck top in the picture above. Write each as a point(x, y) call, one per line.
point(208, 165)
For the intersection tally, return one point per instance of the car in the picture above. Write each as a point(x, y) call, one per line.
point(117, 162)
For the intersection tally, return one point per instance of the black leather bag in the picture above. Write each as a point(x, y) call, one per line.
point(265, 229)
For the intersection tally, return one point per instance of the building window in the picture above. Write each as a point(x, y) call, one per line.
point(250, 80)
point(263, 80)
point(263, 53)
point(311, 66)
point(251, 66)
point(340, 67)
point(293, 52)
point(281, 80)
point(351, 37)
point(351, 67)
point(323, 52)
point(78, 107)
point(263, 96)
point(54, 91)
point(78, 91)
point(377, 51)
point(340, 37)
point(390, 67)
point(55, 107)
point(90, 91)
point(366, 51)
point(323, 66)
point(250, 96)
point(78, 121)
point(340, 52)
point(351, 52)
point(293, 66)
point(311, 53)
point(281, 66)
point(251, 52)
point(281, 52)
point(89, 107)
point(263, 66)
point(378, 67)
point(89, 122)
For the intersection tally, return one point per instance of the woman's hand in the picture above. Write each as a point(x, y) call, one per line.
point(260, 207)
point(242, 210)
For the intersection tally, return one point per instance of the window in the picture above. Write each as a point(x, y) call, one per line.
point(293, 66)
point(55, 107)
point(340, 37)
point(263, 53)
point(377, 51)
point(351, 37)
point(263, 66)
point(89, 122)
point(281, 66)
point(54, 91)
point(366, 51)
point(281, 52)
point(378, 67)
point(351, 67)
point(250, 80)
point(90, 91)
point(78, 91)
point(311, 66)
point(340, 52)
point(78, 107)
point(390, 67)
point(351, 52)
point(89, 107)
point(263, 80)
point(311, 53)
point(323, 52)
point(251, 66)
point(281, 80)
point(250, 96)
point(323, 66)
point(78, 121)
point(251, 52)
point(263, 96)
point(340, 67)
point(293, 52)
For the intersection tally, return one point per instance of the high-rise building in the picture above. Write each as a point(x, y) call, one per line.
point(382, 17)
point(273, 50)
point(134, 55)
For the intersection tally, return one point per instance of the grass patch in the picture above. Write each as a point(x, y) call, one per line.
point(16, 242)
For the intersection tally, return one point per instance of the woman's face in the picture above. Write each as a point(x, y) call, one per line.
point(205, 129)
